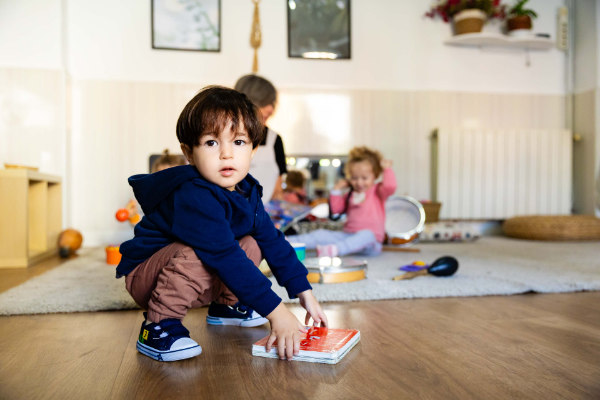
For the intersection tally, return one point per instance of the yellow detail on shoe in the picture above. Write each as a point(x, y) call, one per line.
point(145, 334)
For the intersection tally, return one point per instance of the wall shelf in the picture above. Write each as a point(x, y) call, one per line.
point(487, 39)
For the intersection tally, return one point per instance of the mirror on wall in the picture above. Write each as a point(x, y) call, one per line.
point(321, 170)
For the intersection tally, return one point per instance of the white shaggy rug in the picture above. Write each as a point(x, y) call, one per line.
point(488, 266)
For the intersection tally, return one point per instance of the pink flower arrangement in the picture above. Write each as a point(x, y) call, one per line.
point(446, 9)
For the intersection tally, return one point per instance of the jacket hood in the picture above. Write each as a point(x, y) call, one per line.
point(150, 189)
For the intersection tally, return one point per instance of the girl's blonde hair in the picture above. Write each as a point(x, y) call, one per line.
point(363, 153)
point(167, 160)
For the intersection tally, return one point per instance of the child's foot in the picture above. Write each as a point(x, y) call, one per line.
point(237, 314)
point(327, 250)
point(167, 340)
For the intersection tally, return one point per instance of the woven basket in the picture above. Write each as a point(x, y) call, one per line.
point(553, 227)
point(432, 211)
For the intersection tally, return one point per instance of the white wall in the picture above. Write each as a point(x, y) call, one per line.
point(393, 47)
point(116, 99)
point(31, 34)
point(596, 113)
point(32, 85)
point(586, 153)
point(586, 50)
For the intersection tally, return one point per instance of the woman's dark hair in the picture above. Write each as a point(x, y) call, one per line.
point(212, 109)
point(258, 89)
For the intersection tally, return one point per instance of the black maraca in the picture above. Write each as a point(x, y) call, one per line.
point(443, 266)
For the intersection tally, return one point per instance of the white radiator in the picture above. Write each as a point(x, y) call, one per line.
point(497, 174)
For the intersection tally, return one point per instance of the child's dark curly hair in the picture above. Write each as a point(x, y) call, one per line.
point(295, 179)
point(363, 153)
point(210, 111)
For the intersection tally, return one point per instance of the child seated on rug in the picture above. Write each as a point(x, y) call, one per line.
point(204, 233)
point(167, 160)
point(364, 205)
point(294, 191)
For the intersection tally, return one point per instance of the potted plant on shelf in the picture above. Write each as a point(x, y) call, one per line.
point(518, 20)
point(467, 16)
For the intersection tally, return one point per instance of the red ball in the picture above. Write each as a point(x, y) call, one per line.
point(122, 214)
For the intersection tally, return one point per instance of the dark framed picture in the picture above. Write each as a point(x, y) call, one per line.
point(319, 29)
point(193, 25)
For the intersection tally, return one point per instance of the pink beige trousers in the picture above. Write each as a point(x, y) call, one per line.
point(174, 279)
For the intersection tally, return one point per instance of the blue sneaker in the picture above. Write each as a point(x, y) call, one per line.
point(167, 340)
point(238, 315)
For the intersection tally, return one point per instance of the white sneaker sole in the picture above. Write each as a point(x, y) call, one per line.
point(245, 323)
point(169, 355)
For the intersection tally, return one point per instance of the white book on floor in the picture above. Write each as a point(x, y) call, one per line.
point(320, 345)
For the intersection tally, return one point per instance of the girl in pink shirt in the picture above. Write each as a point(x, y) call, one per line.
point(364, 205)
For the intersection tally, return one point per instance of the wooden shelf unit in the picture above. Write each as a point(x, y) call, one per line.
point(31, 215)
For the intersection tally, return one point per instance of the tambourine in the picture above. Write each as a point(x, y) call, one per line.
point(404, 220)
point(335, 269)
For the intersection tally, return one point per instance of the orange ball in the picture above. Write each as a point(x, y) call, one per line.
point(69, 241)
point(122, 214)
point(134, 219)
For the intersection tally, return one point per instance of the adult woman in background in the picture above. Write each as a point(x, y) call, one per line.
point(268, 165)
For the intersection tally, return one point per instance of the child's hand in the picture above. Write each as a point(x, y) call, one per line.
point(287, 330)
point(341, 184)
point(313, 309)
point(386, 164)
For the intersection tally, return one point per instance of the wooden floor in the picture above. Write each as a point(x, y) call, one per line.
point(515, 347)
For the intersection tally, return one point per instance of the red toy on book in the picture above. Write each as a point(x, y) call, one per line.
point(321, 344)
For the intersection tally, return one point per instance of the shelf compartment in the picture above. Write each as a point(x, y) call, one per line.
point(31, 214)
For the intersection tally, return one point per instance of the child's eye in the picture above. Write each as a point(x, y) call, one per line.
point(210, 143)
point(239, 142)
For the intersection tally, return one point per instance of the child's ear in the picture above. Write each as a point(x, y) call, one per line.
point(253, 151)
point(187, 152)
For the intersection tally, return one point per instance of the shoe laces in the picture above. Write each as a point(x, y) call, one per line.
point(241, 308)
point(173, 327)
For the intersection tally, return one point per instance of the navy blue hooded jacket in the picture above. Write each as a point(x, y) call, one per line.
point(181, 206)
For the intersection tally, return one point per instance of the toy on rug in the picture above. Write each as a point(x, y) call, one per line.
point(284, 214)
point(404, 222)
point(113, 255)
point(450, 231)
point(69, 241)
point(128, 213)
point(443, 266)
point(414, 266)
point(335, 269)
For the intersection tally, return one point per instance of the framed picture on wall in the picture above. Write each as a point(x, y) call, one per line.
point(319, 29)
point(193, 25)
